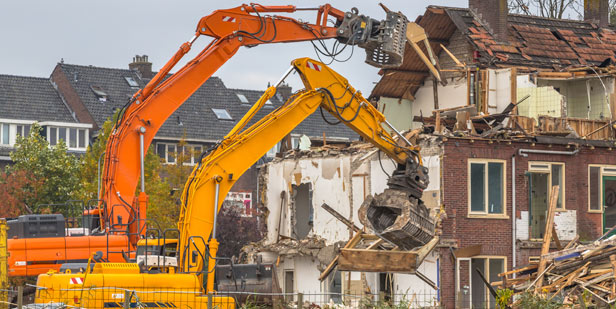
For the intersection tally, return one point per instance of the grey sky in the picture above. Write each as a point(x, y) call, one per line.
point(36, 34)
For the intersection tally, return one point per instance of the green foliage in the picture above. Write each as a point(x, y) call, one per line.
point(530, 300)
point(503, 297)
point(88, 174)
point(54, 167)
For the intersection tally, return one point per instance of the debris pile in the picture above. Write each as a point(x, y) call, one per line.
point(581, 275)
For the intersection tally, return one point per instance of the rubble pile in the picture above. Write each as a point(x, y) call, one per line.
point(578, 275)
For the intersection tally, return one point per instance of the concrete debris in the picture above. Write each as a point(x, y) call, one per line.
point(312, 246)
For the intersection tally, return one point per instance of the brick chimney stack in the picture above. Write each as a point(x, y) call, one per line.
point(141, 65)
point(493, 13)
point(597, 12)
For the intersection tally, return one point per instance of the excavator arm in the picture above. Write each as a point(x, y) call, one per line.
point(245, 25)
point(214, 176)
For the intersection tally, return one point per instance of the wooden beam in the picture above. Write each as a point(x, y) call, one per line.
point(556, 240)
point(350, 244)
point(435, 93)
point(458, 63)
point(514, 88)
point(340, 217)
point(377, 261)
point(414, 34)
point(468, 251)
point(547, 237)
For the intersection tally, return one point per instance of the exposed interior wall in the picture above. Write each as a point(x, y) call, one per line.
point(499, 90)
point(342, 181)
point(579, 91)
point(451, 95)
point(397, 112)
point(543, 100)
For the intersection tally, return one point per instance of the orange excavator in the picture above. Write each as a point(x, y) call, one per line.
point(120, 213)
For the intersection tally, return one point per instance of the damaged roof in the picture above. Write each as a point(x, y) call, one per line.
point(534, 43)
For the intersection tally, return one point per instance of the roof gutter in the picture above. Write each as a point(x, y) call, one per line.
point(525, 152)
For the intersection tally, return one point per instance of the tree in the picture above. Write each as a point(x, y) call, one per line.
point(55, 169)
point(15, 189)
point(556, 8)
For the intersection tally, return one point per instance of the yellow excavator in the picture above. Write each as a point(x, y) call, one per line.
point(191, 285)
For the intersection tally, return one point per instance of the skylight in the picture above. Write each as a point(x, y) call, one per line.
point(242, 98)
point(131, 81)
point(268, 102)
point(222, 114)
point(100, 93)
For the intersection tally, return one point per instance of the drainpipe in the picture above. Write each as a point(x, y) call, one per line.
point(555, 152)
point(513, 215)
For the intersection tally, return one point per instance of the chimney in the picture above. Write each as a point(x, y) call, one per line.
point(597, 12)
point(285, 91)
point(493, 14)
point(141, 65)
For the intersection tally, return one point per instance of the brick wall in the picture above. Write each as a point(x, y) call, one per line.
point(495, 234)
point(71, 97)
point(459, 47)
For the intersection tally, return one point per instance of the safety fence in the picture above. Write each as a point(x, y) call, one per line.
point(118, 297)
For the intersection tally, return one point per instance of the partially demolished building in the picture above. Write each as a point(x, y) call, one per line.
point(513, 106)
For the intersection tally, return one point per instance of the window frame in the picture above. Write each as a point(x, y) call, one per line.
point(193, 156)
point(602, 173)
point(485, 213)
point(486, 273)
point(78, 132)
point(226, 112)
point(548, 171)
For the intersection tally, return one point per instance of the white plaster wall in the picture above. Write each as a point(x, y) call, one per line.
point(499, 94)
point(451, 95)
point(406, 285)
point(521, 226)
point(397, 112)
point(306, 275)
point(566, 224)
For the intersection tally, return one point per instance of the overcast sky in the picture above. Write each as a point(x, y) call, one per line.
point(35, 35)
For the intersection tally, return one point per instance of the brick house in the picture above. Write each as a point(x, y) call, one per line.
point(497, 160)
point(26, 100)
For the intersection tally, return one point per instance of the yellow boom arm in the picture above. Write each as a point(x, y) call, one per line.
point(212, 179)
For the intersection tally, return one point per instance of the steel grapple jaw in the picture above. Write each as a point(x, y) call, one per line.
point(398, 215)
point(384, 40)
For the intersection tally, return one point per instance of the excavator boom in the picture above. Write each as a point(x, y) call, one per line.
point(245, 25)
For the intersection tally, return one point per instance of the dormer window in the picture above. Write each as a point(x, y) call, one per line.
point(100, 93)
point(131, 82)
point(242, 98)
point(222, 114)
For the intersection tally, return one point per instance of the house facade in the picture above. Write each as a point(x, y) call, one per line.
point(26, 100)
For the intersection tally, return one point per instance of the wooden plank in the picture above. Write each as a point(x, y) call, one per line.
point(547, 237)
point(556, 240)
point(377, 261)
point(435, 93)
point(514, 88)
point(458, 63)
point(468, 251)
point(340, 217)
point(350, 244)
point(572, 242)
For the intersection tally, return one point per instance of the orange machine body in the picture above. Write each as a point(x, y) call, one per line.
point(35, 256)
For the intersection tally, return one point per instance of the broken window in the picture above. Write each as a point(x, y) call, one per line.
point(303, 210)
point(100, 93)
point(556, 177)
point(487, 187)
